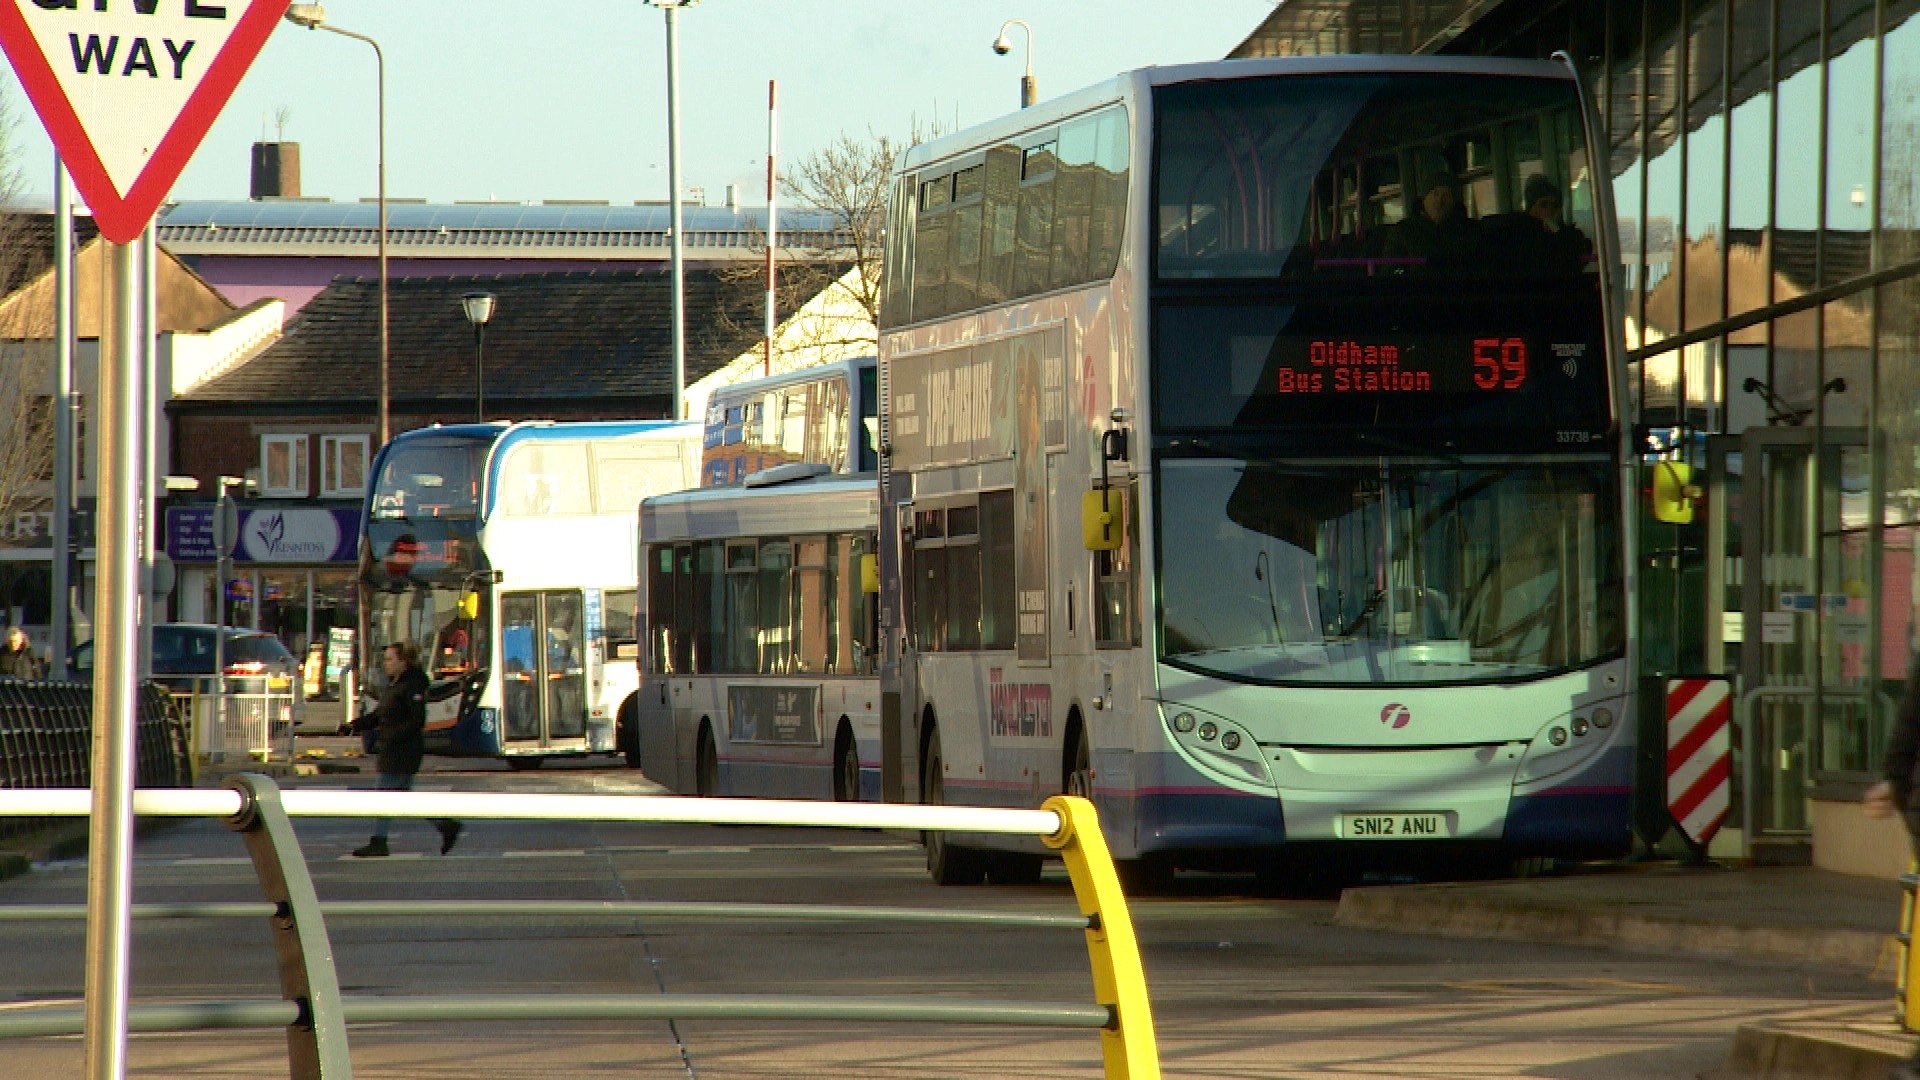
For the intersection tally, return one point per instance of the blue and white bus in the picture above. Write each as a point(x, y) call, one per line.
point(505, 552)
point(824, 413)
point(1279, 406)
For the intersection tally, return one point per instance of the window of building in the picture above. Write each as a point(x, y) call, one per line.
point(343, 466)
point(283, 466)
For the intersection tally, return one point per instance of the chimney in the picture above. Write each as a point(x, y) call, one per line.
point(733, 196)
point(276, 170)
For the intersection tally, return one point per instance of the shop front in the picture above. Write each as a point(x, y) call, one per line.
point(292, 575)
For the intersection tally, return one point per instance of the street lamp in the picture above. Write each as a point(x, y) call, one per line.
point(479, 309)
point(675, 245)
point(314, 17)
point(1029, 90)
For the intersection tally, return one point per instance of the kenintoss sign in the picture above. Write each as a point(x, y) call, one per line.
point(128, 88)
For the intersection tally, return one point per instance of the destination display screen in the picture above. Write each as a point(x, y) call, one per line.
point(1492, 364)
point(1493, 373)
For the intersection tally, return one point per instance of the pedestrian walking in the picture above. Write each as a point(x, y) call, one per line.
point(1900, 792)
point(398, 725)
point(17, 659)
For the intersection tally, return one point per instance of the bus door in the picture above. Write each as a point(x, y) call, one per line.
point(1806, 599)
point(544, 650)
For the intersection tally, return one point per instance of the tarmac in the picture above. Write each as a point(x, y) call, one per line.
point(1789, 916)
point(1793, 916)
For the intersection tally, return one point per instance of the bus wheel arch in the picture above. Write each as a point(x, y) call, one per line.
point(1076, 757)
point(627, 731)
point(706, 761)
point(947, 863)
point(846, 763)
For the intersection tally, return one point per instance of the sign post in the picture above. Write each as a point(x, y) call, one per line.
point(126, 91)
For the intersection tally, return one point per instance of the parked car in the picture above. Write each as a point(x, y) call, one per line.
point(255, 662)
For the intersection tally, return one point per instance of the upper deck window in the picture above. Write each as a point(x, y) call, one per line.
point(433, 477)
point(1311, 176)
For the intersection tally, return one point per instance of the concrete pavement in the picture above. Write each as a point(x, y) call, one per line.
point(1795, 916)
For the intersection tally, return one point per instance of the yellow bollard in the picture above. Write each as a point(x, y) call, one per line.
point(1906, 1003)
point(1128, 1048)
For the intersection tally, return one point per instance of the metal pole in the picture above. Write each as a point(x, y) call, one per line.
point(150, 477)
point(480, 372)
point(115, 686)
point(380, 68)
point(773, 215)
point(678, 243)
point(63, 456)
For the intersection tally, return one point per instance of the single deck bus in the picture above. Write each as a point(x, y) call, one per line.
point(505, 552)
point(760, 617)
point(823, 413)
point(1253, 463)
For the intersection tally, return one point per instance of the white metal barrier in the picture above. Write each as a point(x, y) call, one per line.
point(258, 727)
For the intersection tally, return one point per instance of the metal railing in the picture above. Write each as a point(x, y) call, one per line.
point(257, 726)
point(316, 1014)
point(46, 738)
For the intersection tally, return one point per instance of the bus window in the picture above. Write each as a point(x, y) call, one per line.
point(775, 570)
point(540, 479)
point(667, 647)
point(1115, 624)
point(813, 606)
point(963, 577)
point(996, 570)
point(930, 580)
point(740, 630)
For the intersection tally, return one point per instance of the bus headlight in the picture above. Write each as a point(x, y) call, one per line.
point(1218, 746)
point(1566, 741)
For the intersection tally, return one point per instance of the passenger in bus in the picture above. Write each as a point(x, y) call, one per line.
point(399, 724)
point(1557, 246)
point(1438, 232)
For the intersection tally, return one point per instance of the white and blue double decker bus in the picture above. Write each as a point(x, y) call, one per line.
point(505, 553)
point(823, 414)
point(1253, 463)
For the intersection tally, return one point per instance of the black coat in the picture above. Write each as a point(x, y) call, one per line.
point(1903, 756)
point(401, 720)
point(19, 664)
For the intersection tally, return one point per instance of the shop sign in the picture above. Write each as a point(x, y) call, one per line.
point(268, 534)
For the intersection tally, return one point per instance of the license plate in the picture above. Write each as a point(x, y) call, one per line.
point(278, 682)
point(1402, 825)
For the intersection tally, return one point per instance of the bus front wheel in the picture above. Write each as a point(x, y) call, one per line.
point(706, 765)
point(628, 732)
point(947, 863)
point(846, 767)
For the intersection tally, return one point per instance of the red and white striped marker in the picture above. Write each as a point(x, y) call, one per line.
point(1699, 754)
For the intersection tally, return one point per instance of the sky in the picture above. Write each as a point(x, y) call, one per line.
point(495, 99)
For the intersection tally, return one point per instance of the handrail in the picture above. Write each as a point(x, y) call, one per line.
point(315, 1013)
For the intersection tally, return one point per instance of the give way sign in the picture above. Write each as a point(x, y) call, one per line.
point(127, 88)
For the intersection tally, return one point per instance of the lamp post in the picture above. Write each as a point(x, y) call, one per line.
point(1029, 89)
point(479, 309)
point(314, 17)
point(676, 246)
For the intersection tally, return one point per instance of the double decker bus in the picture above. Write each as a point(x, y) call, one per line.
point(822, 413)
point(505, 553)
point(1281, 400)
point(759, 624)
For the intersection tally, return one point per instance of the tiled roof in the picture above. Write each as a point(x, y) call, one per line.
point(594, 336)
point(421, 230)
point(26, 245)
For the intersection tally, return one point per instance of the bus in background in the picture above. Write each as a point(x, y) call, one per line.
point(1283, 401)
point(824, 413)
point(504, 552)
point(760, 621)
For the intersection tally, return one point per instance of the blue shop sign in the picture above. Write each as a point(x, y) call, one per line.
point(268, 534)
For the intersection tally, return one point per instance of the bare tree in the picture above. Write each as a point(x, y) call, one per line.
point(26, 374)
point(836, 267)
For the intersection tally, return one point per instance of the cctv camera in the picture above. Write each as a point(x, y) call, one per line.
point(1002, 46)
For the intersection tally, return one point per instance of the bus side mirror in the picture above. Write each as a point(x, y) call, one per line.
point(869, 573)
point(1100, 526)
point(1674, 492)
point(469, 606)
